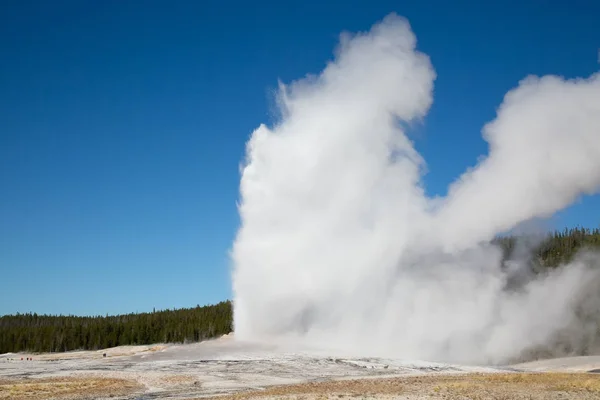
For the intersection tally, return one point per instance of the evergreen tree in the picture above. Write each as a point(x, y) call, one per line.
point(47, 333)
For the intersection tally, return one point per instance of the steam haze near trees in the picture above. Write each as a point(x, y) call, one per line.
point(341, 249)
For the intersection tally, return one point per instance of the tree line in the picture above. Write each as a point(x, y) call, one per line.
point(47, 333)
point(553, 249)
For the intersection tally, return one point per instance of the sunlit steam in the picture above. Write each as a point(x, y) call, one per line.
point(340, 248)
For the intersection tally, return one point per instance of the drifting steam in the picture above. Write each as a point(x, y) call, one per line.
point(340, 248)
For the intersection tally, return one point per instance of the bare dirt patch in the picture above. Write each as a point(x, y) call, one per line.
point(66, 388)
point(178, 379)
point(500, 386)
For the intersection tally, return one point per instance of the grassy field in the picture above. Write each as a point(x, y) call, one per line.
point(508, 386)
point(499, 386)
point(66, 388)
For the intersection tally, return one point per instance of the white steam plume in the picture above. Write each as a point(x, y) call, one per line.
point(339, 246)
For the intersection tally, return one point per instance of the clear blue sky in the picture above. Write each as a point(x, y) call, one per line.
point(122, 124)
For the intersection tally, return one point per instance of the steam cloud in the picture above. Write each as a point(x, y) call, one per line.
point(340, 248)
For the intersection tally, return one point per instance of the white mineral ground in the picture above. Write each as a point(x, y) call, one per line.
point(226, 366)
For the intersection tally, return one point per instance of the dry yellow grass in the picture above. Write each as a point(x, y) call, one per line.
point(178, 380)
point(505, 386)
point(65, 388)
point(549, 380)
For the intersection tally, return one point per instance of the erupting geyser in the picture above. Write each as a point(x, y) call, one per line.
point(340, 248)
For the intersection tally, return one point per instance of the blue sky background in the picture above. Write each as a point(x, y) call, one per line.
point(122, 125)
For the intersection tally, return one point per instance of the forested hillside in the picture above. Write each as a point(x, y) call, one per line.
point(42, 333)
point(554, 249)
point(32, 332)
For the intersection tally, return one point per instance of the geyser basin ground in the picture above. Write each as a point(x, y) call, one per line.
point(225, 366)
